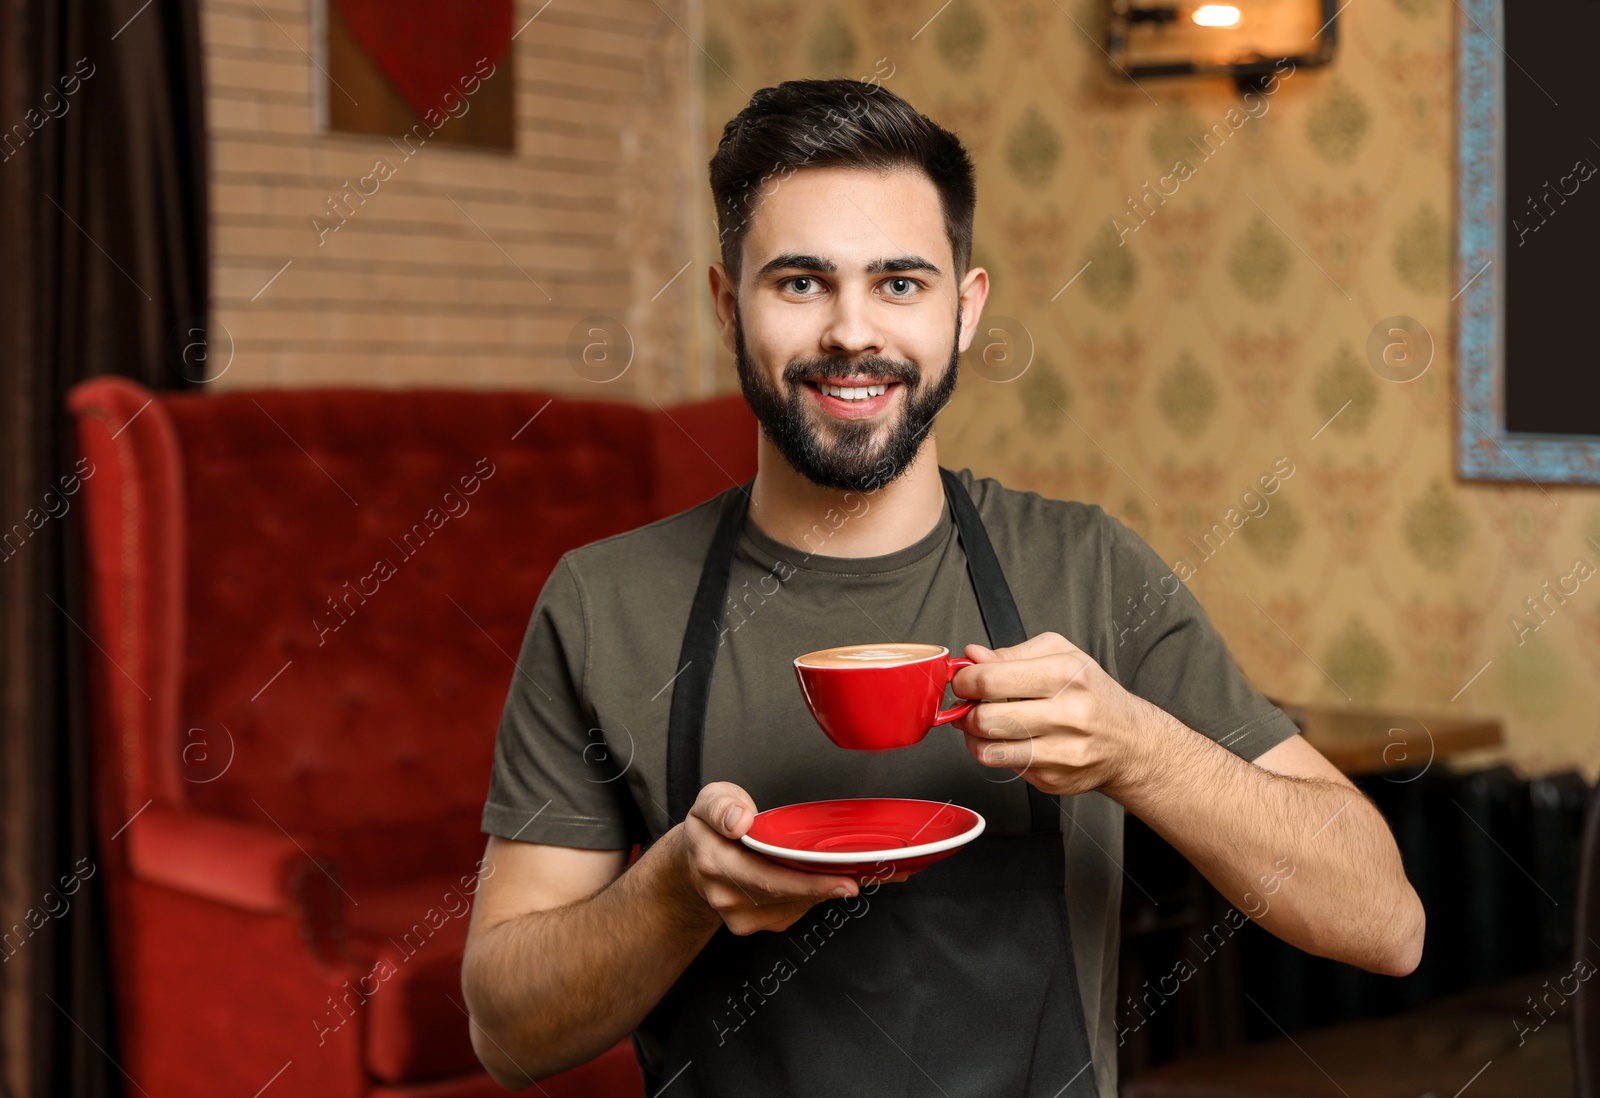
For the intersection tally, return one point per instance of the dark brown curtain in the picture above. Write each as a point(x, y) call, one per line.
point(103, 253)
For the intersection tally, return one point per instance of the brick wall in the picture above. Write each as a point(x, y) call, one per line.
point(460, 267)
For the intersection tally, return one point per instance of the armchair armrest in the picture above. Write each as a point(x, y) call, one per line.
point(241, 866)
point(218, 859)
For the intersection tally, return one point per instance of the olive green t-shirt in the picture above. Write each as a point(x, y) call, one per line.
point(580, 759)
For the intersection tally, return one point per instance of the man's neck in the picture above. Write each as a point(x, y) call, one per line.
point(788, 508)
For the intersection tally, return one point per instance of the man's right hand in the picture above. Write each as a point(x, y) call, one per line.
point(569, 948)
point(748, 891)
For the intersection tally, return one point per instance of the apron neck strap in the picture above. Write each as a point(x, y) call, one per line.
point(691, 693)
point(1000, 617)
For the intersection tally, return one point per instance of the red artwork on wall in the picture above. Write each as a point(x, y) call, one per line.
point(395, 64)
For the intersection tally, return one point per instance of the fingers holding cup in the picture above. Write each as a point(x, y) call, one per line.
point(997, 737)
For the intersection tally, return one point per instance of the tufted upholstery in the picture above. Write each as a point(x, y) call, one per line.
point(305, 606)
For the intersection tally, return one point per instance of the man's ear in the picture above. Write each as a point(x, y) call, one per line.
point(724, 302)
point(974, 292)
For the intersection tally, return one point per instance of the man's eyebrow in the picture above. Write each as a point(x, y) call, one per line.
point(901, 263)
point(792, 261)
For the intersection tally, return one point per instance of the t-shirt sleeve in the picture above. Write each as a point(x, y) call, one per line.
point(553, 779)
point(1168, 653)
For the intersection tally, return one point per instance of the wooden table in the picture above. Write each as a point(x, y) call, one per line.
point(1361, 741)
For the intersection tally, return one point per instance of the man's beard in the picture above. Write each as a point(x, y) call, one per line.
point(841, 454)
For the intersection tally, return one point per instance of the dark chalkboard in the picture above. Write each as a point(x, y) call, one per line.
point(1551, 246)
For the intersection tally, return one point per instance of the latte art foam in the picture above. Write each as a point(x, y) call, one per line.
point(869, 655)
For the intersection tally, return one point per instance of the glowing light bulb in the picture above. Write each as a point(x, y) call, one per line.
point(1216, 15)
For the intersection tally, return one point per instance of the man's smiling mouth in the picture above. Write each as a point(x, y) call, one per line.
point(853, 388)
point(852, 392)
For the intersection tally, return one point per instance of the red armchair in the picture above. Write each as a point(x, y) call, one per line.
point(304, 609)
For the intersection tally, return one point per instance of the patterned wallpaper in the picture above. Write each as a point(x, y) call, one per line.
point(1200, 330)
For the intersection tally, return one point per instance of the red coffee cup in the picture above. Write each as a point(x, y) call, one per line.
point(872, 697)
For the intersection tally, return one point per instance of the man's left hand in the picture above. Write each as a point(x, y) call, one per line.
point(1053, 715)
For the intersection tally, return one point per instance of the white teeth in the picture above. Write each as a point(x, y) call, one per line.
point(866, 392)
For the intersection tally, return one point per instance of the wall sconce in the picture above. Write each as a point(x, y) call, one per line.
point(1244, 39)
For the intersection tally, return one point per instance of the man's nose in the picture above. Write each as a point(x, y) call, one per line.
point(850, 328)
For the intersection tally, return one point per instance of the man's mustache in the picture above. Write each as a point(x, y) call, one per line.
point(830, 368)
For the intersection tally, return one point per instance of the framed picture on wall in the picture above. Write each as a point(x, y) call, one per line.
point(417, 70)
point(1528, 233)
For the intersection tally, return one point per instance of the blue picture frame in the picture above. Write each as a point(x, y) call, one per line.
point(1485, 450)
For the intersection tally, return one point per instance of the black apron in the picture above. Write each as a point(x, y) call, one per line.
point(956, 983)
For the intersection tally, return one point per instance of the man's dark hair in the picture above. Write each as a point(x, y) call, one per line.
point(834, 123)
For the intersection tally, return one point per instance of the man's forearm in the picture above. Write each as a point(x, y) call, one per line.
point(1311, 860)
point(552, 989)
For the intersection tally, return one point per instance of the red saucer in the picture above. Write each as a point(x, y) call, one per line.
point(863, 836)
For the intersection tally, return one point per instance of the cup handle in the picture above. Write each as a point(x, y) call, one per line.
point(961, 709)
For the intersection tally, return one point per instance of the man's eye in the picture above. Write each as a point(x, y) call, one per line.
point(902, 287)
point(802, 285)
